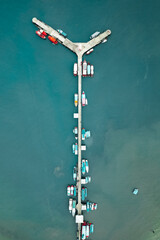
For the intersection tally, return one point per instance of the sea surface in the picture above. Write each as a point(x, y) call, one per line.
point(36, 119)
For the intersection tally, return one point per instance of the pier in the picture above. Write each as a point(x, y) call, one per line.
point(79, 49)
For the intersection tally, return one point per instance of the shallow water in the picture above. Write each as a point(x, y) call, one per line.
point(36, 109)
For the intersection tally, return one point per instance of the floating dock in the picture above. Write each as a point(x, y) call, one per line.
point(79, 49)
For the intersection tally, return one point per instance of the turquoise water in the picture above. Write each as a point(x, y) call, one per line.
point(36, 108)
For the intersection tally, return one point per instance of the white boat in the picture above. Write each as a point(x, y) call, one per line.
point(92, 70)
point(87, 231)
point(85, 180)
point(87, 166)
point(73, 148)
point(94, 35)
point(83, 232)
point(89, 51)
point(92, 206)
point(83, 99)
point(75, 69)
point(75, 131)
point(68, 191)
point(84, 70)
point(72, 189)
point(104, 40)
point(70, 204)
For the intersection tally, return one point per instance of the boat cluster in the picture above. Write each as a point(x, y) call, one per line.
point(87, 69)
point(83, 98)
point(72, 191)
point(91, 206)
point(85, 134)
point(87, 228)
point(42, 34)
point(85, 166)
point(72, 206)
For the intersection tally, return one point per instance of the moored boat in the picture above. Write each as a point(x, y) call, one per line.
point(75, 131)
point(76, 148)
point(72, 189)
point(76, 99)
point(74, 173)
point(95, 206)
point(73, 208)
point(70, 204)
point(84, 69)
point(40, 34)
point(75, 69)
point(92, 70)
point(91, 206)
point(83, 99)
point(83, 167)
point(83, 193)
point(83, 134)
point(104, 40)
point(87, 134)
point(88, 179)
point(94, 35)
point(88, 69)
point(83, 231)
point(75, 191)
point(87, 230)
point(43, 32)
point(53, 40)
point(62, 33)
point(91, 228)
point(87, 166)
point(89, 51)
point(73, 148)
point(88, 206)
point(68, 191)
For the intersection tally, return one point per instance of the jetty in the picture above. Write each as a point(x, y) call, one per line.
point(79, 49)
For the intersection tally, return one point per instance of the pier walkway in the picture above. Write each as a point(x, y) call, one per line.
point(80, 49)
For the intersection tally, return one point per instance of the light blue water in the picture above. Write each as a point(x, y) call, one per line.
point(36, 108)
